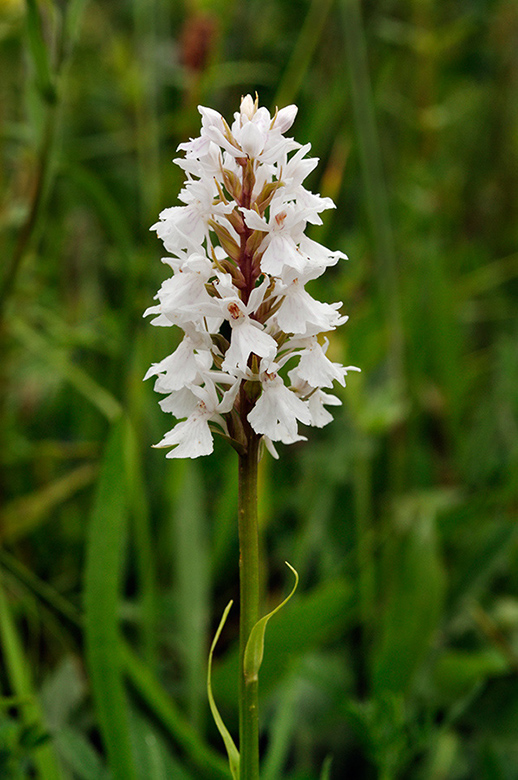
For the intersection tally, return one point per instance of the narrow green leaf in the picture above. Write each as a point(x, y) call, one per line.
point(254, 650)
point(207, 762)
point(24, 513)
point(457, 672)
point(326, 768)
point(281, 728)
point(209, 765)
point(153, 758)
point(60, 362)
point(300, 60)
point(485, 547)
point(189, 534)
point(102, 586)
point(223, 523)
point(232, 751)
point(19, 676)
point(39, 53)
point(327, 611)
point(376, 195)
point(79, 755)
point(106, 206)
point(414, 583)
point(144, 553)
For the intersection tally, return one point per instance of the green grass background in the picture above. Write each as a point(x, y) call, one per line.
point(398, 656)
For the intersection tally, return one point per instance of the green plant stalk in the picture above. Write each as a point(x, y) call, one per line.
point(249, 605)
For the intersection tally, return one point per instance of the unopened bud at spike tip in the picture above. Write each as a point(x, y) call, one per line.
point(247, 106)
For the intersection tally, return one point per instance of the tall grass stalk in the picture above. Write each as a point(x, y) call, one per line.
point(376, 196)
point(18, 671)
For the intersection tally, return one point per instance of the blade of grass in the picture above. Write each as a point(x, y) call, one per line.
point(189, 535)
point(376, 197)
point(106, 206)
point(281, 728)
point(40, 58)
point(326, 768)
point(103, 578)
point(18, 672)
point(44, 592)
point(415, 585)
point(143, 548)
point(487, 548)
point(21, 515)
point(142, 679)
point(42, 182)
point(364, 526)
point(79, 755)
point(46, 80)
point(303, 52)
point(154, 760)
point(209, 763)
point(223, 508)
point(147, 40)
point(79, 379)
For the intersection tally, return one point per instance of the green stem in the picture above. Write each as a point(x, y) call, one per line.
point(249, 606)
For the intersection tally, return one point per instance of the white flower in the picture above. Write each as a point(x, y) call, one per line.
point(200, 152)
point(302, 314)
point(283, 230)
point(240, 261)
point(285, 118)
point(248, 335)
point(253, 133)
point(193, 437)
point(316, 402)
point(247, 107)
point(276, 412)
point(183, 367)
point(180, 403)
point(319, 258)
point(185, 227)
point(184, 293)
point(317, 370)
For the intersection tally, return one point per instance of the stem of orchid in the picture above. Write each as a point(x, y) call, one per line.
point(249, 605)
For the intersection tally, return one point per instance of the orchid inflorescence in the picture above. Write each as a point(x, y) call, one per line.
point(240, 260)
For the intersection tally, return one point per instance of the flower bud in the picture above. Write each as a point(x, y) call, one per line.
point(247, 106)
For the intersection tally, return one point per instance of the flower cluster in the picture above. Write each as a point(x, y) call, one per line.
point(240, 260)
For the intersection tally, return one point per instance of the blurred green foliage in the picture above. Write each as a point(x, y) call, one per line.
point(398, 656)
